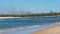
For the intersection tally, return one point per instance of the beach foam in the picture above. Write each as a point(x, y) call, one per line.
point(52, 30)
point(19, 28)
point(28, 27)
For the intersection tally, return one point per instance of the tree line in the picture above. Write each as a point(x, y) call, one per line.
point(29, 15)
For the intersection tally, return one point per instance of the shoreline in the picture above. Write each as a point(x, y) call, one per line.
point(50, 30)
point(9, 17)
point(31, 29)
point(27, 17)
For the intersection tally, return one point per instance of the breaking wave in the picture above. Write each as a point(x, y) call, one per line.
point(19, 28)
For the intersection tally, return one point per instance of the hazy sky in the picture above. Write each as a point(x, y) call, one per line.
point(30, 5)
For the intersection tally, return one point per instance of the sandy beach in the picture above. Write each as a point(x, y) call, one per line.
point(51, 30)
point(9, 17)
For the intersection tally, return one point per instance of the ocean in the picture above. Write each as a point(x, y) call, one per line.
point(23, 23)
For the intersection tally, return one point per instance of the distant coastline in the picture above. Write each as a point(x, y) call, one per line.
point(28, 15)
point(9, 17)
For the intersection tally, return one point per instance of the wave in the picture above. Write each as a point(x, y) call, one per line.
point(19, 28)
point(28, 27)
point(55, 24)
point(23, 19)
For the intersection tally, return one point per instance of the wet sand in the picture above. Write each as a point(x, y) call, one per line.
point(51, 30)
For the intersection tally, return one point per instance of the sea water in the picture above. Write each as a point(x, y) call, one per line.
point(23, 23)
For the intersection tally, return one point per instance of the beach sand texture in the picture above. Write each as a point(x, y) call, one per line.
point(52, 30)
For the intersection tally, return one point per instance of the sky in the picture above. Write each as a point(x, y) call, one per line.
point(33, 6)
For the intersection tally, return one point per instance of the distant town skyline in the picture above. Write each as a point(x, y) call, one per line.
point(24, 11)
point(33, 6)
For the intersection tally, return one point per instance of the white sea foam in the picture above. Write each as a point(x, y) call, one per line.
point(19, 28)
point(57, 23)
point(1, 31)
point(35, 26)
point(27, 27)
